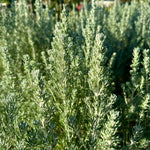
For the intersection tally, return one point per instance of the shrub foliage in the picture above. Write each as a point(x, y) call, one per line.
point(82, 82)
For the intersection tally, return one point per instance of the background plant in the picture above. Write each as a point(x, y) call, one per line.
point(78, 83)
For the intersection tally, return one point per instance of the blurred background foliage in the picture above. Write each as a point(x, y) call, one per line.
point(57, 3)
point(51, 3)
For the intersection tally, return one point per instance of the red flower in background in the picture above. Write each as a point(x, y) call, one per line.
point(79, 7)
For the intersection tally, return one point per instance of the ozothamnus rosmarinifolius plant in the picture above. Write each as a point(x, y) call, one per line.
point(24, 32)
point(78, 83)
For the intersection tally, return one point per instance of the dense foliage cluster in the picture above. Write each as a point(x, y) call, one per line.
point(80, 83)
